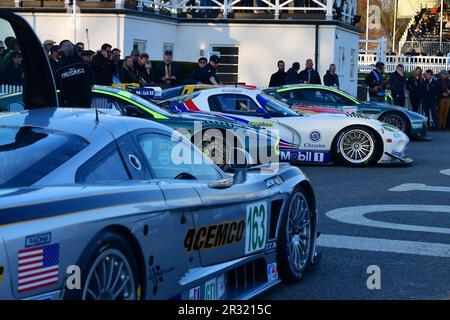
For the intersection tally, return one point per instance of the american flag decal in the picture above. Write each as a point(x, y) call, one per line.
point(38, 267)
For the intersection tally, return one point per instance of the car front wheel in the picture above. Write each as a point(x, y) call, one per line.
point(296, 239)
point(357, 146)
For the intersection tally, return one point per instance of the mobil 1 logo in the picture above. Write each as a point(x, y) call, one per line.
point(256, 227)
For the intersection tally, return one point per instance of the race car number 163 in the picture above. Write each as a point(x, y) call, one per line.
point(256, 227)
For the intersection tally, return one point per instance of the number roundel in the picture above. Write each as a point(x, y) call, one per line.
point(256, 227)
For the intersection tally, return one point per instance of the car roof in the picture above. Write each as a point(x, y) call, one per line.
point(81, 122)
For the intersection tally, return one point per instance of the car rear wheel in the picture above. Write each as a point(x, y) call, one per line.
point(108, 271)
point(296, 239)
point(357, 146)
point(397, 120)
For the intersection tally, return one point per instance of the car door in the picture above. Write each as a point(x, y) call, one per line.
point(219, 214)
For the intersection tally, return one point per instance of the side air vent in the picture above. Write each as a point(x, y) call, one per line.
point(246, 277)
point(275, 215)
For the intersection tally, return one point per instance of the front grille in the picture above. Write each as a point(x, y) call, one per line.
point(246, 277)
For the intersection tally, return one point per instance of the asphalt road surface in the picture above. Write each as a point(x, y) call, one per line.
point(394, 218)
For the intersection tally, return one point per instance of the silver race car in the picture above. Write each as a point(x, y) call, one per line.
point(97, 206)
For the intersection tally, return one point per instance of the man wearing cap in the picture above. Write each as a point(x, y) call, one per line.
point(443, 84)
point(167, 72)
point(376, 83)
point(208, 74)
point(398, 85)
point(196, 75)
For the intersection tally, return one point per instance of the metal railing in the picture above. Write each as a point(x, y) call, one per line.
point(7, 89)
point(429, 47)
point(366, 62)
point(343, 10)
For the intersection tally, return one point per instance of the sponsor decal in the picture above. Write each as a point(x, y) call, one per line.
point(194, 293)
point(314, 136)
point(272, 271)
point(38, 267)
point(261, 123)
point(221, 286)
point(213, 236)
point(398, 154)
point(305, 156)
point(38, 239)
point(145, 92)
point(313, 145)
point(156, 274)
point(211, 290)
point(271, 245)
point(256, 227)
point(2, 272)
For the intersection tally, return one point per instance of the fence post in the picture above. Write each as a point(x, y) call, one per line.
point(329, 12)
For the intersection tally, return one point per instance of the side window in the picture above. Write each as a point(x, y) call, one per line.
point(320, 96)
point(104, 102)
point(233, 103)
point(105, 168)
point(171, 159)
point(341, 99)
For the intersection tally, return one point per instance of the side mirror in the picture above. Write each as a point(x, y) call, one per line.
point(241, 162)
point(261, 110)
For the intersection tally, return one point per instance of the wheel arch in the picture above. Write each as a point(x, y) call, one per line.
point(137, 251)
point(401, 112)
point(365, 126)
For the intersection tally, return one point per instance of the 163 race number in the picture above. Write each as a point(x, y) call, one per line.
point(256, 227)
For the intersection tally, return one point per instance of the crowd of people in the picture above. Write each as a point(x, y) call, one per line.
point(428, 94)
point(11, 69)
point(307, 76)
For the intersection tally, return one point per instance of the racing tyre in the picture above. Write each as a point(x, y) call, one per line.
point(108, 271)
point(296, 237)
point(357, 146)
point(396, 119)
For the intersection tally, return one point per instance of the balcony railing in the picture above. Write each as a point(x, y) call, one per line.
point(341, 10)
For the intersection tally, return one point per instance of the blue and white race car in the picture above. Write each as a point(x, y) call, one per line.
point(350, 139)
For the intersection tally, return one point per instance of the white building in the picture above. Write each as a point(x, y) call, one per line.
point(249, 47)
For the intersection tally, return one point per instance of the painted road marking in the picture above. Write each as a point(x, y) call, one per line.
point(355, 215)
point(418, 187)
point(446, 172)
point(384, 245)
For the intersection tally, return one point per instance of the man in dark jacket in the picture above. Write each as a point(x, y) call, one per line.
point(430, 93)
point(277, 79)
point(331, 79)
point(398, 85)
point(167, 72)
point(208, 74)
point(102, 66)
point(53, 58)
point(292, 76)
point(443, 84)
point(376, 83)
point(309, 75)
point(196, 75)
point(74, 78)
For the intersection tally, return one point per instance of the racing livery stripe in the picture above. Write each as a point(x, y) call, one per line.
point(69, 206)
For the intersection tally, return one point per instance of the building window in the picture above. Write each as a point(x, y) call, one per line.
point(168, 46)
point(353, 59)
point(141, 45)
point(229, 61)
